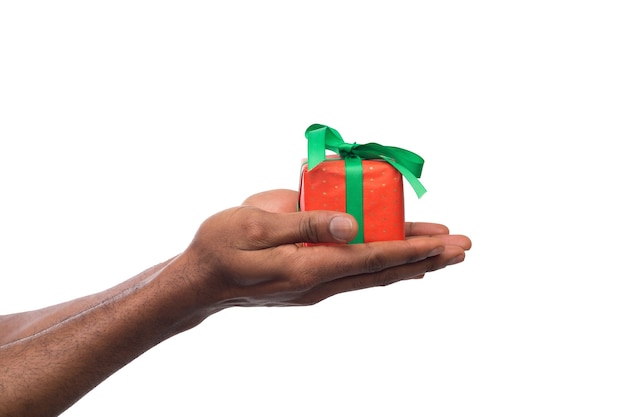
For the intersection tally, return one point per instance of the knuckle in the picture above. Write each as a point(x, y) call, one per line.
point(304, 280)
point(388, 279)
point(300, 286)
point(375, 262)
point(435, 263)
point(308, 229)
point(254, 227)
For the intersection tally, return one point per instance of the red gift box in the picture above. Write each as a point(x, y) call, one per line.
point(363, 180)
point(324, 188)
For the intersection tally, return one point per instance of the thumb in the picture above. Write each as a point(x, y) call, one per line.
point(318, 226)
point(342, 228)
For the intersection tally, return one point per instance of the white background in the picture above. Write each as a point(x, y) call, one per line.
point(124, 124)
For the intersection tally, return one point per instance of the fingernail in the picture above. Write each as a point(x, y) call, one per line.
point(456, 259)
point(341, 228)
point(435, 251)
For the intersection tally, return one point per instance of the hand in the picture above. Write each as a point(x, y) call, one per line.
point(251, 255)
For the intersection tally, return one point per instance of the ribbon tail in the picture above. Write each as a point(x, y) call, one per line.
point(411, 178)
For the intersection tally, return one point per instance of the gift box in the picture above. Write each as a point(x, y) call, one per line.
point(363, 180)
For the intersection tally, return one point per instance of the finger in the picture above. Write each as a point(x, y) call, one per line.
point(275, 201)
point(319, 226)
point(417, 270)
point(303, 268)
point(461, 241)
point(320, 264)
point(421, 229)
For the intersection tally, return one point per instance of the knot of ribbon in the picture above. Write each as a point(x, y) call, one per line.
point(346, 150)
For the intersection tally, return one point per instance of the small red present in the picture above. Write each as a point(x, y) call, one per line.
point(363, 180)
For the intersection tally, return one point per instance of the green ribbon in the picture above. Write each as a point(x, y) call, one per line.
point(322, 137)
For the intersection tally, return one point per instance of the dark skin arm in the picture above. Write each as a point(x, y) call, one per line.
point(244, 256)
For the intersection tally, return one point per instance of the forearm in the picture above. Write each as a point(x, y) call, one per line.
point(45, 372)
point(19, 325)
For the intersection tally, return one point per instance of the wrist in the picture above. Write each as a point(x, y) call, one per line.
point(185, 292)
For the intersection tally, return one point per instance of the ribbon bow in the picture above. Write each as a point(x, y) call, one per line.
point(322, 137)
